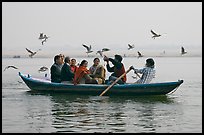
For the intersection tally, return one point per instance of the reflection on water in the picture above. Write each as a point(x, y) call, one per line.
point(74, 113)
point(48, 112)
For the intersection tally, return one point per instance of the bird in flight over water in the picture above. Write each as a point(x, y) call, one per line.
point(105, 49)
point(139, 54)
point(155, 34)
point(100, 52)
point(130, 46)
point(42, 69)
point(45, 39)
point(41, 36)
point(10, 67)
point(183, 51)
point(32, 53)
point(88, 48)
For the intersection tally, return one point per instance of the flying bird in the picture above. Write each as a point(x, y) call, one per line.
point(100, 52)
point(20, 82)
point(139, 54)
point(105, 49)
point(154, 34)
point(32, 53)
point(43, 42)
point(183, 50)
point(43, 69)
point(45, 39)
point(10, 67)
point(41, 36)
point(130, 46)
point(88, 48)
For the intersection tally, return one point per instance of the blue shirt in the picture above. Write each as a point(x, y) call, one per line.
point(148, 73)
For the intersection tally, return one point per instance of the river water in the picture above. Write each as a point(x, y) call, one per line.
point(28, 112)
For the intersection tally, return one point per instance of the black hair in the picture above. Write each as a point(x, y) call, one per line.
point(82, 63)
point(73, 59)
point(67, 59)
point(96, 59)
point(149, 62)
point(56, 58)
point(118, 57)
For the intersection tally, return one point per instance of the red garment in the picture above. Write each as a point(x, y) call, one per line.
point(81, 71)
point(74, 68)
point(119, 72)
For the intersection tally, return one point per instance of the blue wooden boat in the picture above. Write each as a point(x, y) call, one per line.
point(129, 89)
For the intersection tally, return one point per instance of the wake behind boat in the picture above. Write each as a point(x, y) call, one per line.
point(129, 89)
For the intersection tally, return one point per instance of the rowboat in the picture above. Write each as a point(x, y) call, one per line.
point(129, 89)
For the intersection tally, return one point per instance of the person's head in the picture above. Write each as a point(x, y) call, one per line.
point(67, 60)
point(96, 61)
point(149, 62)
point(73, 62)
point(58, 59)
point(62, 56)
point(84, 63)
point(118, 58)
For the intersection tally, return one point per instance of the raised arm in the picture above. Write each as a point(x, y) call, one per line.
point(117, 64)
point(110, 69)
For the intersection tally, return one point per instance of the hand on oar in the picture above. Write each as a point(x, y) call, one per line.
point(135, 72)
point(116, 81)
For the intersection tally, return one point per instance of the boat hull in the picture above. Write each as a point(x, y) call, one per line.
point(36, 84)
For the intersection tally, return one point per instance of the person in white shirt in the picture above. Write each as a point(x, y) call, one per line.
point(148, 72)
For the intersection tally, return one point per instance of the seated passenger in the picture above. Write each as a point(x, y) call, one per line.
point(67, 75)
point(55, 69)
point(73, 65)
point(82, 74)
point(98, 71)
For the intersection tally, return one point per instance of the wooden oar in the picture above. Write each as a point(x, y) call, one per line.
point(137, 74)
point(115, 82)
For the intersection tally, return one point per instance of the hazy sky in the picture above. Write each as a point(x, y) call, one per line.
point(100, 24)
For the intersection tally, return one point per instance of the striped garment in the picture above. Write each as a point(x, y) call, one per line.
point(148, 73)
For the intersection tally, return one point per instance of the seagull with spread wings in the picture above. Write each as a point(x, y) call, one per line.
point(105, 49)
point(88, 48)
point(155, 34)
point(43, 69)
point(130, 46)
point(32, 53)
point(43, 36)
point(100, 52)
point(10, 67)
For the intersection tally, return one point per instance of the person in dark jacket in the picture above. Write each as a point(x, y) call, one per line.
point(118, 69)
point(66, 73)
point(56, 69)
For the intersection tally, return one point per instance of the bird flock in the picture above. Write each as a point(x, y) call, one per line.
point(43, 37)
point(32, 53)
